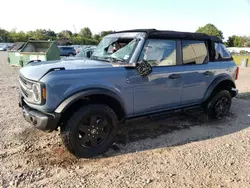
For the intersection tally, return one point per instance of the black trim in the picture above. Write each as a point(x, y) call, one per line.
point(213, 85)
point(223, 59)
point(179, 56)
point(164, 112)
point(162, 34)
point(42, 121)
point(83, 94)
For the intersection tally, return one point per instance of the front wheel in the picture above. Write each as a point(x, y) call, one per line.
point(218, 105)
point(90, 131)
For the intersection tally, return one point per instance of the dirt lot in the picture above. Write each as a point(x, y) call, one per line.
point(184, 151)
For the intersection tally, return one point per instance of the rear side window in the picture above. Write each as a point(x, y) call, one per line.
point(194, 52)
point(221, 52)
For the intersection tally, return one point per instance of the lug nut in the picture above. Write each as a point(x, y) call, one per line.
point(88, 134)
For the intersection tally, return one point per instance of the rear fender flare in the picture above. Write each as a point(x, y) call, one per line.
point(214, 84)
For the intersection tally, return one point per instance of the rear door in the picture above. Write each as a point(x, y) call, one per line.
point(197, 73)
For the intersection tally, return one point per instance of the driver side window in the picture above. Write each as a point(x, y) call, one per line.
point(158, 52)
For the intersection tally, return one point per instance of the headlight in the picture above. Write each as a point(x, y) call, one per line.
point(36, 92)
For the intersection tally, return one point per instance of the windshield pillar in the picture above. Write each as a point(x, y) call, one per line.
point(135, 56)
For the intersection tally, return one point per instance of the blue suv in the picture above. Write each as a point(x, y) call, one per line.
point(130, 74)
point(67, 51)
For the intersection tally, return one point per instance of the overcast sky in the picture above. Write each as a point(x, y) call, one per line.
point(230, 16)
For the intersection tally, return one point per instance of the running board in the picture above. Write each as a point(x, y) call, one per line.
point(170, 113)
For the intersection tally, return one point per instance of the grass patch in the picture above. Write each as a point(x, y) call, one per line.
point(239, 58)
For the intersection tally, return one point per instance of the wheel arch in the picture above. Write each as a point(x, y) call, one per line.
point(94, 96)
point(221, 82)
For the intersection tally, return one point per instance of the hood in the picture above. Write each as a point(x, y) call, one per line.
point(36, 70)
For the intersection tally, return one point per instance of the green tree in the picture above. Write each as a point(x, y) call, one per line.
point(18, 36)
point(236, 41)
point(230, 42)
point(97, 37)
point(78, 40)
point(104, 33)
point(210, 29)
point(248, 43)
point(40, 34)
point(86, 32)
point(4, 35)
point(65, 33)
point(51, 34)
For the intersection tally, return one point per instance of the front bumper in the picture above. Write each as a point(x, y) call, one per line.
point(42, 121)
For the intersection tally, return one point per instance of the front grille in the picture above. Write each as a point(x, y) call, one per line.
point(24, 92)
point(23, 80)
point(25, 87)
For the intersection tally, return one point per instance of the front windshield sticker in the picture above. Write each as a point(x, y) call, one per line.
point(126, 57)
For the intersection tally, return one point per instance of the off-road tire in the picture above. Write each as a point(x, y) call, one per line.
point(212, 104)
point(70, 130)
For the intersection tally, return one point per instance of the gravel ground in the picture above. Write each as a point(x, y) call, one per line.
point(182, 151)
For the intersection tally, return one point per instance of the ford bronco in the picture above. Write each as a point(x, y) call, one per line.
point(131, 74)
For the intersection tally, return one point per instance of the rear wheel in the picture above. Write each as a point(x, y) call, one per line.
point(90, 131)
point(219, 104)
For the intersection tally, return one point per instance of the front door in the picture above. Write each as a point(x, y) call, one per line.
point(161, 89)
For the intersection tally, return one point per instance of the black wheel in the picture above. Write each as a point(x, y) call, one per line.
point(90, 131)
point(219, 104)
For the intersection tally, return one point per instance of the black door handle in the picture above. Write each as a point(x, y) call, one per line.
point(174, 76)
point(208, 73)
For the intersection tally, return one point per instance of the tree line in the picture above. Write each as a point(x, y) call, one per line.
point(232, 41)
point(85, 36)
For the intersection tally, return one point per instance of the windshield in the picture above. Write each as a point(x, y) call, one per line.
point(115, 49)
point(80, 54)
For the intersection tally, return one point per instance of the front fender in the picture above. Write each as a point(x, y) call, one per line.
point(215, 83)
point(83, 94)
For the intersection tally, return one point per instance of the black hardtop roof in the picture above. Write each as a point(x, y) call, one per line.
point(162, 34)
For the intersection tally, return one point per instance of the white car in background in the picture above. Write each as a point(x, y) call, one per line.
point(3, 47)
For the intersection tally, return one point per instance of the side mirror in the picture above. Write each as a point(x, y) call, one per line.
point(144, 68)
